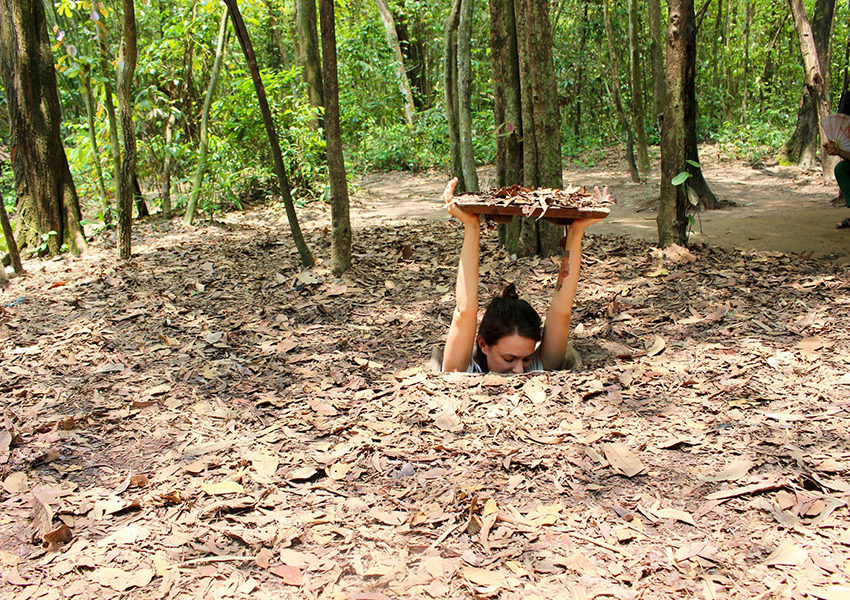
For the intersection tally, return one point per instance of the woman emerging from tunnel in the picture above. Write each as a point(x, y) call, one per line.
point(511, 337)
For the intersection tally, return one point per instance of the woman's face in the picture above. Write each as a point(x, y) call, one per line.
point(510, 354)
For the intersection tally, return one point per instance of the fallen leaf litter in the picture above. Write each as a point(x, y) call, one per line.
point(233, 426)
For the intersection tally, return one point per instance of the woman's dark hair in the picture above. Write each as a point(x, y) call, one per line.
point(507, 314)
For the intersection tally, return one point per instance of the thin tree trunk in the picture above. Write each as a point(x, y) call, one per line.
point(656, 56)
point(814, 76)
point(750, 7)
point(280, 169)
point(126, 69)
point(200, 170)
point(615, 89)
point(308, 48)
point(167, 162)
point(114, 144)
point(638, 117)
point(11, 244)
point(139, 199)
point(450, 91)
point(89, 100)
point(672, 209)
point(401, 74)
point(340, 222)
point(464, 96)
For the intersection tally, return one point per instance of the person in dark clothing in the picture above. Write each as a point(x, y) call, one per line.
point(842, 169)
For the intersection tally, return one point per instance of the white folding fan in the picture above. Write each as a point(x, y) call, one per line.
point(837, 129)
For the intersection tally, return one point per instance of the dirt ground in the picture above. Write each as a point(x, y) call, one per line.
point(776, 208)
point(210, 420)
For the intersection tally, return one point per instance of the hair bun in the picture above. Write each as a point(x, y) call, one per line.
point(509, 292)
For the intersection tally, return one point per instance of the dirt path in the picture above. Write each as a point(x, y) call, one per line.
point(776, 208)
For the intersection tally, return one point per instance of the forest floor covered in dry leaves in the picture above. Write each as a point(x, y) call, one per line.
point(209, 421)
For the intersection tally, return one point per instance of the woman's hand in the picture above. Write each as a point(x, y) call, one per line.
point(831, 148)
point(468, 219)
point(582, 224)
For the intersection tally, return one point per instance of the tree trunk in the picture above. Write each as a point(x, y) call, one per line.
point(114, 145)
point(464, 96)
point(126, 69)
point(308, 50)
point(89, 100)
point(280, 169)
point(748, 25)
point(200, 170)
point(278, 39)
point(507, 107)
point(35, 116)
point(615, 89)
point(638, 115)
point(450, 90)
point(139, 199)
point(656, 55)
point(802, 147)
point(541, 126)
point(167, 162)
point(9, 236)
point(681, 40)
point(401, 74)
point(814, 80)
point(340, 222)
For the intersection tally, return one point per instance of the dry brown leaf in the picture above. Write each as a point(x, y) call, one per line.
point(289, 574)
point(484, 577)
point(735, 470)
point(787, 553)
point(222, 487)
point(675, 514)
point(16, 483)
point(622, 460)
point(119, 579)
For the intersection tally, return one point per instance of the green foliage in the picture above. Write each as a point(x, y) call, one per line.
point(761, 137)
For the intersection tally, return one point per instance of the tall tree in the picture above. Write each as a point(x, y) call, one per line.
point(340, 222)
point(274, 143)
point(464, 96)
point(802, 147)
point(814, 79)
point(126, 69)
point(203, 150)
point(401, 73)
point(47, 197)
point(450, 85)
point(308, 49)
point(637, 87)
point(672, 218)
point(507, 107)
point(541, 125)
point(88, 96)
point(656, 57)
point(615, 89)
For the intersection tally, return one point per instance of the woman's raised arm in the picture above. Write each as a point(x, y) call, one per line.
point(556, 331)
point(461, 338)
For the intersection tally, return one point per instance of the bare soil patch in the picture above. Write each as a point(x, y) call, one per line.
point(775, 208)
point(208, 420)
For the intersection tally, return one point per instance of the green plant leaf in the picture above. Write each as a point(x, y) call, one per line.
point(681, 178)
point(693, 163)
